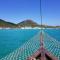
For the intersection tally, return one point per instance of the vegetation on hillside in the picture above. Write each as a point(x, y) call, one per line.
point(6, 24)
point(25, 23)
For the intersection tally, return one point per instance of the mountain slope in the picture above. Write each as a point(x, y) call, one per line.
point(27, 23)
point(6, 24)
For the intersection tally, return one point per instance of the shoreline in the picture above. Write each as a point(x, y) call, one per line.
point(27, 28)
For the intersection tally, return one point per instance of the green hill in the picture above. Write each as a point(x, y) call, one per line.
point(6, 24)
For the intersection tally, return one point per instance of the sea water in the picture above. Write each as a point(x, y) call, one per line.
point(12, 39)
point(55, 33)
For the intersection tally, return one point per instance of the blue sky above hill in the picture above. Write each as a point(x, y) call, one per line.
point(19, 10)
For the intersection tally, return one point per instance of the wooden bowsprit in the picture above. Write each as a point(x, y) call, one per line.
point(42, 53)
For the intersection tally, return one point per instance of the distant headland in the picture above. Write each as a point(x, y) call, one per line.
point(26, 23)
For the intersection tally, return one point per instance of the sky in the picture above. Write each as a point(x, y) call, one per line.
point(18, 10)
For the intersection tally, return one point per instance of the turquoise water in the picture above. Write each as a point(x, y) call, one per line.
point(55, 33)
point(12, 39)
